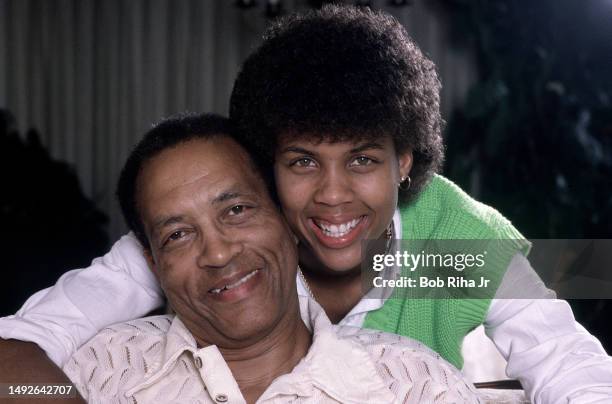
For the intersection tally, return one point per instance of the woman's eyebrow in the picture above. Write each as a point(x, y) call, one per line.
point(358, 149)
point(296, 149)
point(367, 146)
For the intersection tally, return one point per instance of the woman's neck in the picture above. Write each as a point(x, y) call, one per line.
point(336, 293)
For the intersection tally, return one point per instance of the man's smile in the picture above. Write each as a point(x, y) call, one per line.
point(236, 287)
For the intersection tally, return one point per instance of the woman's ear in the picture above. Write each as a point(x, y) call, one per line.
point(405, 163)
point(150, 260)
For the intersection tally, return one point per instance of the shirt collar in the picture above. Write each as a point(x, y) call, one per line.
point(341, 368)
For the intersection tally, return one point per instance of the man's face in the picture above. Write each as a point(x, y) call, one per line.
point(222, 252)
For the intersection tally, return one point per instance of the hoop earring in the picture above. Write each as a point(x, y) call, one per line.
point(389, 231)
point(403, 185)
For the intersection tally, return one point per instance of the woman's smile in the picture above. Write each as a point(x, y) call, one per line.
point(338, 232)
point(335, 195)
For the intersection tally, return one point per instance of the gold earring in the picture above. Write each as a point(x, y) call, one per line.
point(403, 185)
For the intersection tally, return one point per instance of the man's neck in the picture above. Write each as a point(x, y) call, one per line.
point(255, 367)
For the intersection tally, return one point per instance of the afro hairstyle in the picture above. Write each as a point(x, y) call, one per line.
point(341, 73)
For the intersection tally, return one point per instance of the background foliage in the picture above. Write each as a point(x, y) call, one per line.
point(534, 138)
point(49, 226)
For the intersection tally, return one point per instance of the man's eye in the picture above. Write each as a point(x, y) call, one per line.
point(177, 235)
point(361, 161)
point(237, 210)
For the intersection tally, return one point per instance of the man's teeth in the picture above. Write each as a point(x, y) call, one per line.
point(339, 230)
point(237, 283)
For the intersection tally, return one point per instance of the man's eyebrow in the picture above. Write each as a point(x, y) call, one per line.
point(166, 221)
point(367, 146)
point(226, 196)
point(223, 197)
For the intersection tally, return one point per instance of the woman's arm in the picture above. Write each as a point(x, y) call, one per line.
point(552, 355)
point(116, 287)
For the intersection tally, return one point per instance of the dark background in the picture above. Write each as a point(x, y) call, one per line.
point(527, 99)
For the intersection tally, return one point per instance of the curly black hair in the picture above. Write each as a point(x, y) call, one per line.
point(166, 134)
point(341, 73)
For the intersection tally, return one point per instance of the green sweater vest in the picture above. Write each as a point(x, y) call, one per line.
point(443, 211)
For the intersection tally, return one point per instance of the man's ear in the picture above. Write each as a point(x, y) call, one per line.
point(405, 163)
point(286, 224)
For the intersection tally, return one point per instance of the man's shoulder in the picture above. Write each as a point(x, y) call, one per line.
point(411, 367)
point(145, 336)
point(153, 325)
point(133, 333)
point(378, 341)
point(119, 356)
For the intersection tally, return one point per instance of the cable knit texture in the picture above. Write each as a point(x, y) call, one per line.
point(445, 212)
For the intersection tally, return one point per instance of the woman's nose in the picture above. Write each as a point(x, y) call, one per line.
point(334, 188)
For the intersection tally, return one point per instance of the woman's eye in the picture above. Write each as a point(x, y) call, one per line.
point(361, 161)
point(303, 162)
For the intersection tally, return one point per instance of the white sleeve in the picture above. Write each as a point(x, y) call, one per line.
point(554, 357)
point(116, 287)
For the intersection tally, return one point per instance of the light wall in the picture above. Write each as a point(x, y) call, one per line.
point(93, 75)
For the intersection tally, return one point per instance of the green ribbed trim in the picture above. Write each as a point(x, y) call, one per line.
point(444, 212)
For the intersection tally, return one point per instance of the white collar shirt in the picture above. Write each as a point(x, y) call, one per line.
point(375, 298)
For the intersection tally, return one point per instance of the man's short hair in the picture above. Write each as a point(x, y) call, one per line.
point(164, 135)
point(341, 73)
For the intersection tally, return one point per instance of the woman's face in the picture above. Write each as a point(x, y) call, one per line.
point(335, 195)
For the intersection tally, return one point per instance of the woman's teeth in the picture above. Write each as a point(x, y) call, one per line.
point(237, 283)
point(338, 230)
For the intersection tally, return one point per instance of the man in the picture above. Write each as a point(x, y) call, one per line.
point(227, 263)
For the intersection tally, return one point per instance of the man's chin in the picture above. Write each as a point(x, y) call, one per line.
point(247, 329)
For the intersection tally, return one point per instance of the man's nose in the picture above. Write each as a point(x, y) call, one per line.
point(334, 188)
point(218, 250)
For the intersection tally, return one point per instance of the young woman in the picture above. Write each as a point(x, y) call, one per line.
point(342, 109)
